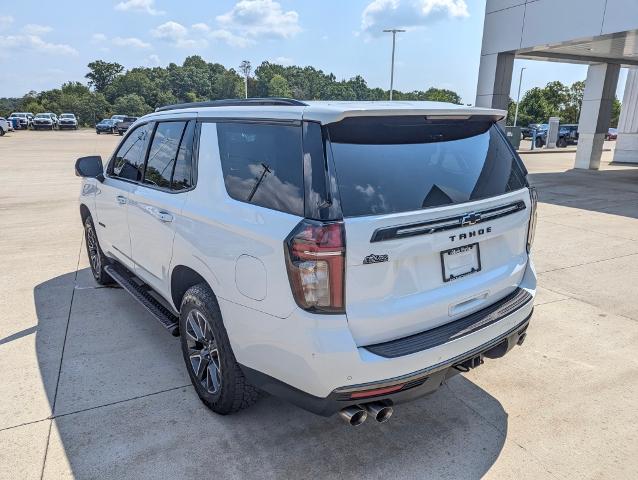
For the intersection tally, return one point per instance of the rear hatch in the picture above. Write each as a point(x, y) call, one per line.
point(436, 213)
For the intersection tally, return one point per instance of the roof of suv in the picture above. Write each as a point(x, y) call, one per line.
point(322, 111)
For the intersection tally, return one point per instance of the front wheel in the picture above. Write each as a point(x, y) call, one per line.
point(97, 259)
point(209, 358)
point(539, 143)
point(562, 143)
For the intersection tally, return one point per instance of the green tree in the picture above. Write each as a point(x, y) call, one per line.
point(278, 87)
point(442, 95)
point(131, 104)
point(102, 74)
point(615, 113)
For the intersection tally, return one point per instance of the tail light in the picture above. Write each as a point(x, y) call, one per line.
point(315, 259)
point(531, 230)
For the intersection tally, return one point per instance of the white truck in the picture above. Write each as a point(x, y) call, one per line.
point(345, 256)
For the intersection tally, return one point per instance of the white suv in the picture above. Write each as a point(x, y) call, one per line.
point(345, 256)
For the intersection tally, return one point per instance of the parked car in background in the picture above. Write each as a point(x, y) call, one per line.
point(25, 119)
point(45, 121)
point(612, 134)
point(526, 132)
point(108, 125)
point(68, 120)
point(9, 124)
point(125, 124)
point(567, 135)
point(230, 226)
point(4, 126)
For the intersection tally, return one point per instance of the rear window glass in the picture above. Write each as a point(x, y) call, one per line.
point(399, 164)
point(263, 164)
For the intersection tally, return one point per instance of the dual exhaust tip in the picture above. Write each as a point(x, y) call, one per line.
point(358, 414)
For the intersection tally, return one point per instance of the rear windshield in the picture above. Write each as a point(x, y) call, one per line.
point(399, 164)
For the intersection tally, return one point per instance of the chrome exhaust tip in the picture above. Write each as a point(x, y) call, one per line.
point(354, 415)
point(379, 411)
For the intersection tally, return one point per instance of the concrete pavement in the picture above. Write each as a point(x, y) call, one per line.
point(92, 387)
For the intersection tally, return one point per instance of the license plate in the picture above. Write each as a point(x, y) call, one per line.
point(460, 261)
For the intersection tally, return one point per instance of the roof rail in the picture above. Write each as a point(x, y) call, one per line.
point(266, 102)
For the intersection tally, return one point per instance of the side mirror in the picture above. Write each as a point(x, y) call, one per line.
point(90, 167)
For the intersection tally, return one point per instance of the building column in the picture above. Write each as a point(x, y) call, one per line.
point(627, 143)
point(595, 113)
point(495, 81)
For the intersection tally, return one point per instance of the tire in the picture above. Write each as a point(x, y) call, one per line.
point(561, 143)
point(221, 385)
point(1, 132)
point(539, 143)
point(97, 132)
point(97, 259)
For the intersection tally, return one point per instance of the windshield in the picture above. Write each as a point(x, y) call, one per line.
point(23, 115)
point(398, 164)
point(43, 115)
point(67, 115)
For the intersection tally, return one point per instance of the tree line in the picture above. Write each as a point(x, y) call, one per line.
point(113, 90)
point(554, 100)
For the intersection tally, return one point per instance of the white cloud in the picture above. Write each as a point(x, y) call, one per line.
point(201, 27)
point(98, 38)
point(170, 31)
point(231, 39)
point(130, 42)
point(260, 18)
point(5, 21)
point(408, 14)
point(153, 60)
point(34, 29)
point(145, 6)
point(177, 34)
point(285, 61)
point(36, 44)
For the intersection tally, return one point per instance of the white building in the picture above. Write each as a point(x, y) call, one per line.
point(600, 33)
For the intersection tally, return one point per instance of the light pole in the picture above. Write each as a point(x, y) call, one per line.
point(518, 98)
point(394, 32)
point(245, 68)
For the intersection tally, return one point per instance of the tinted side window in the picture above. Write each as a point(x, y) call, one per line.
point(182, 178)
point(163, 153)
point(263, 164)
point(129, 159)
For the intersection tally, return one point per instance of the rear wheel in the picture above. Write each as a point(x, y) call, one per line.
point(209, 358)
point(561, 143)
point(97, 259)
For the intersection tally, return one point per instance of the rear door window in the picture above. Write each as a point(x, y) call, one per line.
point(397, 164)
point(263, 164)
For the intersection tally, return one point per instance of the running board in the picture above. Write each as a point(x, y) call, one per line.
point(140, 292)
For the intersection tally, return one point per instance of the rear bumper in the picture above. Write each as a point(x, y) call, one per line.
point(404, 389)
point(313, 360)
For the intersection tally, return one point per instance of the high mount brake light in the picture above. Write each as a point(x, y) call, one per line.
point(531, 229)
point(315, 260)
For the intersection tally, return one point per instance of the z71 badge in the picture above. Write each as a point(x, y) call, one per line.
point(375, 259)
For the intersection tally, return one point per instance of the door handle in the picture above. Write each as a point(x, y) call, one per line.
point(121, 199)
point(163, 216)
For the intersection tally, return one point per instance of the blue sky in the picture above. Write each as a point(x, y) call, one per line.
point(43, 44)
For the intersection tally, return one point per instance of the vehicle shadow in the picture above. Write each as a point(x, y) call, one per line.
point(606, 191)
point(124, 408)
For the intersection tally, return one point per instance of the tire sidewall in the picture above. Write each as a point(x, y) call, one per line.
point(201, 298)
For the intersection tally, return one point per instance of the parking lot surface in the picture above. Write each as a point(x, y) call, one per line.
point(91, 386)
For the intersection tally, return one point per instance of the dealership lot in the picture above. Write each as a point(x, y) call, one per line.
point(92, 386)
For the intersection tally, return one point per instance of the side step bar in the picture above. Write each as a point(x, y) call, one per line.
point(140, 292)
